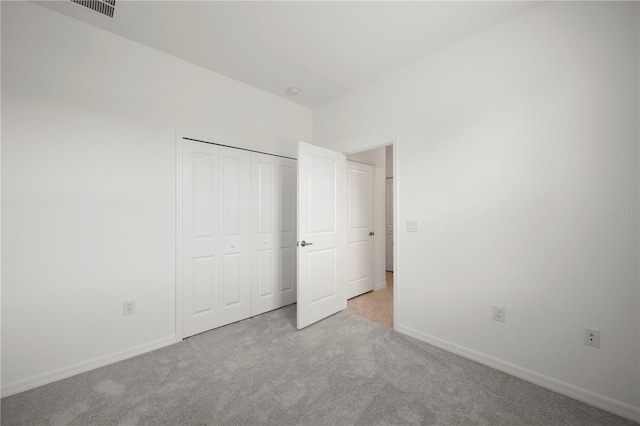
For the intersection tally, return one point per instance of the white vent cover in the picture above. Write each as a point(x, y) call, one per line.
point(105, 7)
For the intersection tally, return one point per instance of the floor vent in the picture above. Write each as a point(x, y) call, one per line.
point(105, 7)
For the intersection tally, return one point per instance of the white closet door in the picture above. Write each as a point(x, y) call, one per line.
point(201, 260)
point(235, 297)
point(215, 236)
point(273, 212)
point(359, 228)
point(287, 219)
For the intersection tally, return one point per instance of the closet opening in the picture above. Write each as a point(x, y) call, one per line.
point(236, 234)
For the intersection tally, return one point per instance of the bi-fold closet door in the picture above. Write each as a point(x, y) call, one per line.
point(237, 235)
point(273, 249)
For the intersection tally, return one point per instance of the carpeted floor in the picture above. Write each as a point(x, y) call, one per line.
point(341, 371)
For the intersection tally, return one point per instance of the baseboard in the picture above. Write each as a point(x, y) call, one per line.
point(81, 367)
point(619, 408)
point(380, 286)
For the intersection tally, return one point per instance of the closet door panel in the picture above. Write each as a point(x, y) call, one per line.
point(232, 275)
point(235, 300)
point(265, 195)
point(287, 231)
point(263, 214)
point(200, 262)
point(265, 273)
point(203, 294)
point(287, 181)
point(272, 210)
point(263, 192)
point(288, 270)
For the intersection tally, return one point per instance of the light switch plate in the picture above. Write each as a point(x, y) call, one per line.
point(413, 225)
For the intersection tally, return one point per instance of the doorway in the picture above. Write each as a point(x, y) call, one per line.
point(377, 304)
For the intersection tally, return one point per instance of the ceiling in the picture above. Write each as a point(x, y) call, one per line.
point(326, 49)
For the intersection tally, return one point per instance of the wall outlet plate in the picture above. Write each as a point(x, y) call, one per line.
point(499, 313)
point(129, 307)
point(592, 337)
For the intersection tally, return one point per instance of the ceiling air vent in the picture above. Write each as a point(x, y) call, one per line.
point(104, 7)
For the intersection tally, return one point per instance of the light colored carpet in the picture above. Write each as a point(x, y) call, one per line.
point(341, 371)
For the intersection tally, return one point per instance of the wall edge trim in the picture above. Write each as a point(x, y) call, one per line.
point(379, 286)
point(82, 367)
point(588, 397)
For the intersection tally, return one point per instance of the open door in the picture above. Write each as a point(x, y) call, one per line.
point(321, 233)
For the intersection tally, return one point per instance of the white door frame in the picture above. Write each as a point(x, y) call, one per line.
point(396, 228)
point(178, 241)
point(388, 187)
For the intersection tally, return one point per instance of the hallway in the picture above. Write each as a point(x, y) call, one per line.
point(376, 306)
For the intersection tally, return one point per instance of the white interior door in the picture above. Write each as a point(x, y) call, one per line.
point(389, 223)
point(273, 215)
point(321, 233)
point(359, 228)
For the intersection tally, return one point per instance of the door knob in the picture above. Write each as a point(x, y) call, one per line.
point(371, 233)
point(304, 243)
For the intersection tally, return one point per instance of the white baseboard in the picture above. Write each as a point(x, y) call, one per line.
point(81, 367)
point(619, 408)
point(380, 286)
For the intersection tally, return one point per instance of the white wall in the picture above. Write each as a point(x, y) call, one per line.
point(513, 144)
point(376, 157)
point(88, 186)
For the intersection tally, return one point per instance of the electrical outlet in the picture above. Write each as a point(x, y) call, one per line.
point(499, 313)
point(592, 337)
point(129, 307)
